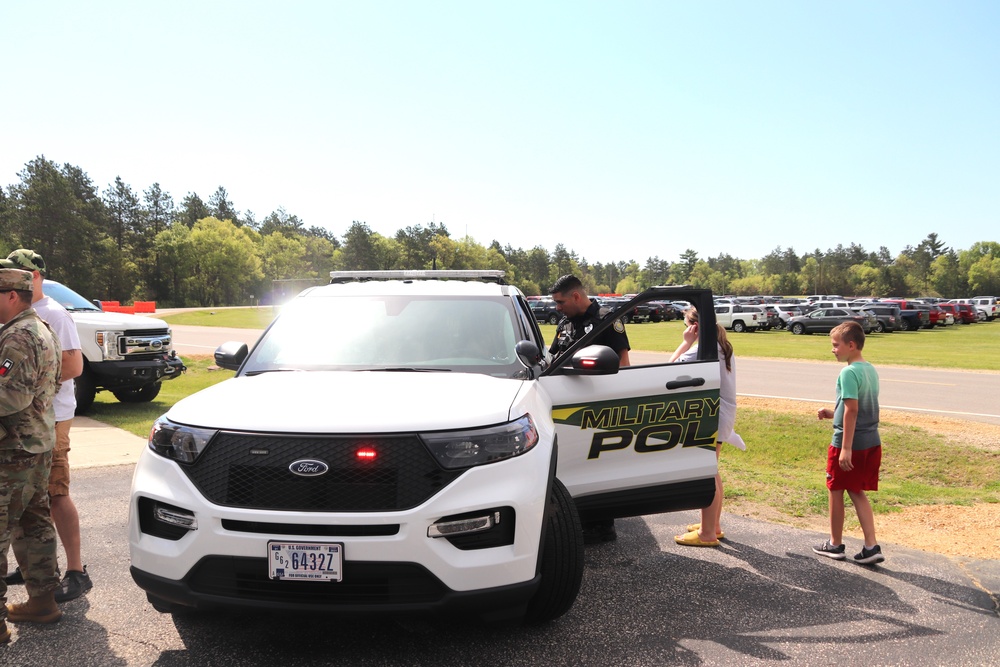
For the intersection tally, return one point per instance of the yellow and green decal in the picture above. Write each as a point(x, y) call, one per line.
point(646, 423)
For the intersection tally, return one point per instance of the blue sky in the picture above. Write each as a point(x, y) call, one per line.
point(624, 130)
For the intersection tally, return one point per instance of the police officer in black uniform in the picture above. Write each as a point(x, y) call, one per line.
point(580, 315)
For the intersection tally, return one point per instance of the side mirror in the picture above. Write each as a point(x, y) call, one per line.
point(528, 353)
point(231, 355)
point(593, 360)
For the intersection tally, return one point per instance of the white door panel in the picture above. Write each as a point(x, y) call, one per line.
point(628, 430)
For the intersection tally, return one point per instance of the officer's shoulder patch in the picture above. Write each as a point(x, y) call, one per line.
point(5, 367)
point(619, 326)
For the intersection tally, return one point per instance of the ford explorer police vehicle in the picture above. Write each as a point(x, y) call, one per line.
point(403, 442)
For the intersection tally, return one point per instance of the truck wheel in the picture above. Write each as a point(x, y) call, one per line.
point(553, 319)
point(85, 391)
point(739, 327)
point(798, 328)
point(905, 325)
point(140, 395)
point(562, 559)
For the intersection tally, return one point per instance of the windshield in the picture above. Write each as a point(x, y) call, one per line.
point(67, 298)
point(392, 333)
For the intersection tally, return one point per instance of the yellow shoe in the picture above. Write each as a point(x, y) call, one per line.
point(691, 539)
point(696, 527)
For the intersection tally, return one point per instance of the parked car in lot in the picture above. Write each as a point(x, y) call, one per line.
point(734, 316)
point(887, 316)
point(662, 311)
point(545, 311)
point(823, 320)
point(989, 305)
point(913, 314)
point(768, 316)
point(403, 443)
point(964, 313)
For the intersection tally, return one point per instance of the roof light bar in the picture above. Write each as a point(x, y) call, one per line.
point(490, 275)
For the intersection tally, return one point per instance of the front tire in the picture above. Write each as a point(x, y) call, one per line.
point(561, 568)
point(85, 390)
point(798, 329)
point(140, 395)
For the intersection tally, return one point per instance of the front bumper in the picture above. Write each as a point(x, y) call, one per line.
point(138, 373)
point(390, 564)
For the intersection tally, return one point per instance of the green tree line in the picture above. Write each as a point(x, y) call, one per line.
point(120, 244)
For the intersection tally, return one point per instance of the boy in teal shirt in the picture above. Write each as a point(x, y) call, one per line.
point(855, 455)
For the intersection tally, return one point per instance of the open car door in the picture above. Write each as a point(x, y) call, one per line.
point(640, 439)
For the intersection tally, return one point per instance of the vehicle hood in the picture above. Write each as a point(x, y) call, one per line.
point(102, 320)
point(350, 402)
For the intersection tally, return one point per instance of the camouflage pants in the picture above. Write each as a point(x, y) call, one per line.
point(25, 521)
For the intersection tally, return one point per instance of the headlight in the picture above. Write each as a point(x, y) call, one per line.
point(181, 443)
point(465, 449)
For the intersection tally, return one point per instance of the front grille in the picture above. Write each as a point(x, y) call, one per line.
point(363, 583)
point(251, 471)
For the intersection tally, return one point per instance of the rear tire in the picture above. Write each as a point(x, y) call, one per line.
point(561, 568)
point(880, 327)
point(553, 319)
point(739, 327)
point(905, 325)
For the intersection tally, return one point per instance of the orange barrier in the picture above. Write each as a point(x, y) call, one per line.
point(145, 306)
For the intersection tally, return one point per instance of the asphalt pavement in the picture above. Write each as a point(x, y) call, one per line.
point(762, 598)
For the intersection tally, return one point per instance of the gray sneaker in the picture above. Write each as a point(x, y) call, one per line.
point(73, 585)
point(835, 552)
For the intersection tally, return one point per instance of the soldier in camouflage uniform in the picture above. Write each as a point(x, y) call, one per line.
point(30, 366)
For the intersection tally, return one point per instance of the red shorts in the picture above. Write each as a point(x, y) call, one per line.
point(864, 476)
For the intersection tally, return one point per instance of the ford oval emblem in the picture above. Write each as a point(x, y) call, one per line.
point(308, 468)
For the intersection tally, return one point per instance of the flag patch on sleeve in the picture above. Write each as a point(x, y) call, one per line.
point(5, 367)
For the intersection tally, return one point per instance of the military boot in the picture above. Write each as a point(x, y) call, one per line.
point(39, 609)
point(4, 632)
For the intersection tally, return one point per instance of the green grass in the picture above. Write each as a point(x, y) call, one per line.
point(237, 318)
point(784, 466)
point(137, 418)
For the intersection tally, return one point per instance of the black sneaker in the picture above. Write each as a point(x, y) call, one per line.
point(73, 585)
point(595, 532)
point(14, 578)
point(869, 556)
point(830, 551)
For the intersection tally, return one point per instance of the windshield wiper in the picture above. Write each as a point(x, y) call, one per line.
point(272, 370)
point(410, 369)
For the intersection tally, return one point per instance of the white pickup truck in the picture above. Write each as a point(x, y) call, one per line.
point(128, 355)
point(733, 316)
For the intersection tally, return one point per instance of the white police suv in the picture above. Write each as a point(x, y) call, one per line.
point(403, 442)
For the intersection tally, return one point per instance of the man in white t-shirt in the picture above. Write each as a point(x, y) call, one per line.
point(76, 582)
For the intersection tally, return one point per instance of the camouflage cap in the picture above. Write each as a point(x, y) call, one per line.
point(29, 260)
point(11, 279)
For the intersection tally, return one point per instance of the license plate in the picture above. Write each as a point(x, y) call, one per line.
point(307, 561)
